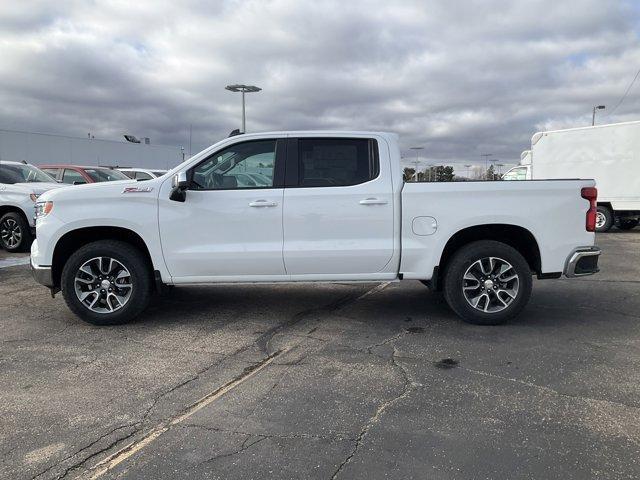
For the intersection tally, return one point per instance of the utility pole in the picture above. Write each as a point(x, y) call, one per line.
point(416, 149)
point(486, 167)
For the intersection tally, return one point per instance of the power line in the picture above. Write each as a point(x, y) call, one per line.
point(625, 93)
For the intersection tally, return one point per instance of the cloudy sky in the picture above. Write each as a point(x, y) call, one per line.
point(459, 78)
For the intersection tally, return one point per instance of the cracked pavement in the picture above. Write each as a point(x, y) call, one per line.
point(326, 381)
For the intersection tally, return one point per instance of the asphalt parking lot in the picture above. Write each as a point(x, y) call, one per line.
point(326, 381)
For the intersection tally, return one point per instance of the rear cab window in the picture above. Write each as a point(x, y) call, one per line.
point(336, 162)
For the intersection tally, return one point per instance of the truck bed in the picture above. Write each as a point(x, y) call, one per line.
point(552, 211)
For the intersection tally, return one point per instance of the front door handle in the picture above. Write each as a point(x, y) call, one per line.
point(263, 203)
point(373, 201)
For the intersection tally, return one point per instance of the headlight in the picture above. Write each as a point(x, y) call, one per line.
point(43, 209)
point(34, 197)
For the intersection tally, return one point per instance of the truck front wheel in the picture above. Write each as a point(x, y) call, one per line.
point(487, 283)
point(604, 219)
point(107, 282)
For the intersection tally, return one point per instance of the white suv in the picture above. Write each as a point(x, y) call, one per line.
point(20, 185)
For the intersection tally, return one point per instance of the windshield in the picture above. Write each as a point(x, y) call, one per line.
point(21, 173)
point(105, 174)
point(518, 173)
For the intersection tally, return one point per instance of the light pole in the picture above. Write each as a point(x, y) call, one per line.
point(593, 116)
point(244, 89)
point(416, 149)
point(486, 168)
point(468, 171)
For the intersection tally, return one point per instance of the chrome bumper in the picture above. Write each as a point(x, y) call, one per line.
point(42, 275)
point(583, 261)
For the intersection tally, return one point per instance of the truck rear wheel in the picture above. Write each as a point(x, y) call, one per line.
point(487, 283)
point(15, 234)
point(107, 282)
point(604, 219)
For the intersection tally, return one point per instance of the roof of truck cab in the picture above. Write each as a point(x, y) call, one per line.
point(319, 132)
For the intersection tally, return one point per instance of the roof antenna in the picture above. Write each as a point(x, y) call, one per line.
point(234, 132)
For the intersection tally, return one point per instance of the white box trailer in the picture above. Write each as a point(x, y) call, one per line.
point(610, 154)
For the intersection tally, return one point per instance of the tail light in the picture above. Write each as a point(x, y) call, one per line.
point(591, 194)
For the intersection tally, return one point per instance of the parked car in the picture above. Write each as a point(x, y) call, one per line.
point(336, 209)
point(77, 175)
point(252, 180)
point(607, 153)
point(20, 186)
point(142, 173)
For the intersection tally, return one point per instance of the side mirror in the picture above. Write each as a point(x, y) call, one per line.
point(179, 185)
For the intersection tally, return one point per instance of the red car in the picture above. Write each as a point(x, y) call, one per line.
point(76, 175)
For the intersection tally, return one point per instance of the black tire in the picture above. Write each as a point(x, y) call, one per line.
point(454, 281)
point(606, 215)
point(628, 224)
point(12, 224)
point(129, 257)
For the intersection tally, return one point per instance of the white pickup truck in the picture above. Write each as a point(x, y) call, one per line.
point(335, 209)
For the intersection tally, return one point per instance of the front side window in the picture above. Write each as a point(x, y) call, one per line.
point(243, 165)
point(51, 171)
point(72, 177)
point(335, 162)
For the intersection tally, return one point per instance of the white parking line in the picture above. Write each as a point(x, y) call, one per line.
point(121, 455)
point(12, 262)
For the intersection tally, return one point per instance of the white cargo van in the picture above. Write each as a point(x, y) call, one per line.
point(610, 154)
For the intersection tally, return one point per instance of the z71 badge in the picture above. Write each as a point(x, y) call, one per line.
point(137, 189)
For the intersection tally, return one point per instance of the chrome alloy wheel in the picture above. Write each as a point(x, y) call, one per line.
point(490, 284)
point(103, 285)
point(601, 220)
point(11, 233)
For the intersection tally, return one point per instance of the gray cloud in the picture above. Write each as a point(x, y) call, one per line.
point(459, 78)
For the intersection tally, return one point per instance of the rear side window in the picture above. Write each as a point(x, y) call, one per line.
point(72, 177)
point(336, 162)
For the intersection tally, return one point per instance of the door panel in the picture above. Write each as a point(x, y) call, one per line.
point(217, 233)
point(337, 229)
point(227, 226)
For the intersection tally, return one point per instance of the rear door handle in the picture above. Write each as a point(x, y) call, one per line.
point(373, 201)
point(263, 203)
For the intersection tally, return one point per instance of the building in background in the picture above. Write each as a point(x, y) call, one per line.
point(41, 148)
